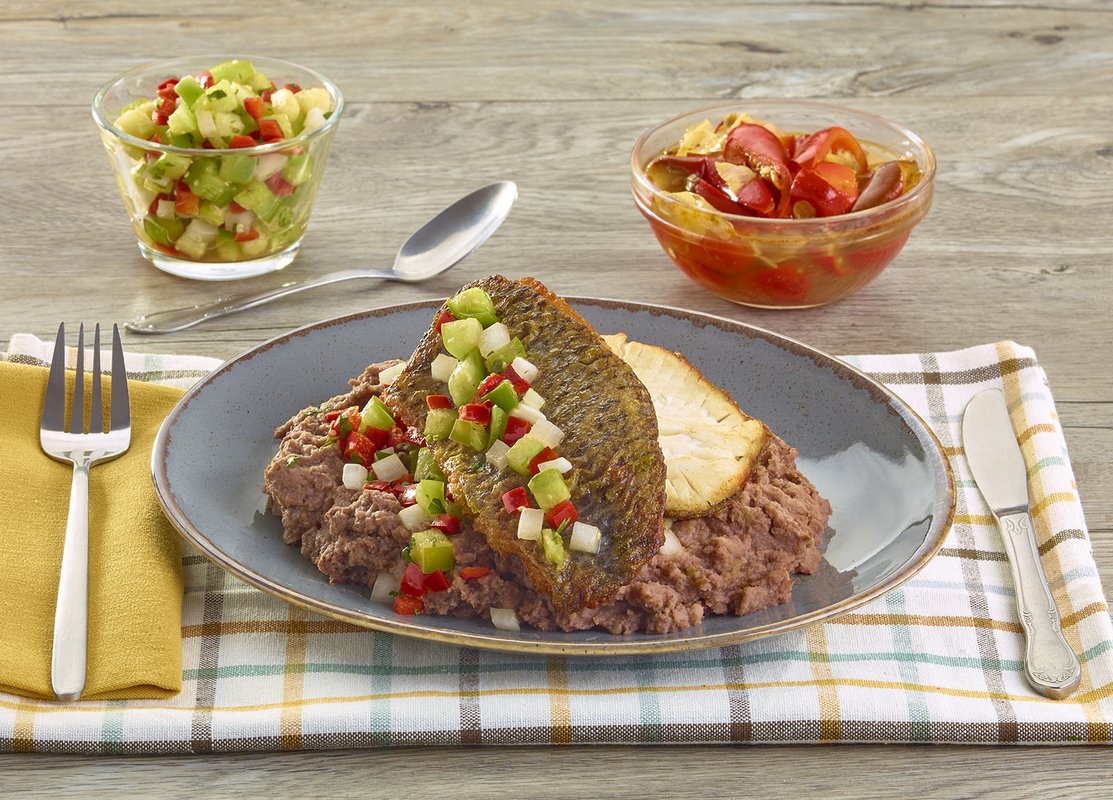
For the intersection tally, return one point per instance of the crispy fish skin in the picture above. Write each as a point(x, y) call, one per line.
point(618, 477)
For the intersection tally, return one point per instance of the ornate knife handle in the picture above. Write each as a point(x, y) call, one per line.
point(1049, 663)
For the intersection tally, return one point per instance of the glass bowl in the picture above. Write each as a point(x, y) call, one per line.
point(785, 263)
point(251, 205)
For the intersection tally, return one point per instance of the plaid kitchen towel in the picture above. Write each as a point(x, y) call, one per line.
point(936, 660)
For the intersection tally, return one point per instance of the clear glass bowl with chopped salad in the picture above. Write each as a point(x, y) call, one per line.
point(218, 159)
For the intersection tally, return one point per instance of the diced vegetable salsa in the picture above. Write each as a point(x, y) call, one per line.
point(233, 204)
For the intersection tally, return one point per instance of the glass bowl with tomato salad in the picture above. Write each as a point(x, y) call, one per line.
point(782, 203)
point(218, 159)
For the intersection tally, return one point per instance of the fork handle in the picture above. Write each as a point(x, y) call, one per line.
point(71, 615)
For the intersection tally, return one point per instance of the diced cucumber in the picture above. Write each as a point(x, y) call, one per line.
point(189, 90)
point(553, 547)
point(182, 121)
point(376, 415)
point(136, 103)
point(315, 97)
point(137, 122)
point(259, 82)
point(522, 452)
point(169, 166)
point(473, 303)
point(426, 467)
point(548, 488)
point(255, 247)
point(498, 426)
point(182, 139)
point(228, 124)
point(465, 379)
point(203, 179)
point(432, 550)
point(503, 396)
point(286, 103)
point(297, 169)
point(470, 434)
point(228, 250)
point(163, 231)
point(220, 97)
point(255, 195)
point(237, 70)
point(211, 213)
point(192, 247)
point(236, 169)
point(430, 496)
point(501, 358)
point(438, 424)
point(461, 336)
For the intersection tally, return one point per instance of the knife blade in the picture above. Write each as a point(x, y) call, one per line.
point(995, 460)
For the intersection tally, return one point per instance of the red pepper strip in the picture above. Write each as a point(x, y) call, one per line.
point(759, 149)
point(266, 95)
point(563, 511)
point(886, 183)
point(240, 140)
point(169, 83)
point(520, 384)
point(293, 88)
point(436, 581)
point(408, 497)
point(447, 524)
point(718, 199)
point(783, 283)
point(269, 130)
point(404, 604)
point(359, 449)
point(548, 454)
point(515, 500)
point(435, 401)
point(255, 106)
point(378, 486)
point(829, 188)
point(475, 412)
point(821, 145)
point(489, 383)
point(413, 581)
point(471, 573)
point(280, 186)
point(446, 316)
point(516, 428)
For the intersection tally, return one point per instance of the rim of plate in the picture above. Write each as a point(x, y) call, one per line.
point(495, 640)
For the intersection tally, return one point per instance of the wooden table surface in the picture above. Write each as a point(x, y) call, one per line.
point(442, 97)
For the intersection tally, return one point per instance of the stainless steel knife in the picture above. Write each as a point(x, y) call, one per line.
point(1050, 665)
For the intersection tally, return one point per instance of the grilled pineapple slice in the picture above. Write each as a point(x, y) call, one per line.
point(709, 444)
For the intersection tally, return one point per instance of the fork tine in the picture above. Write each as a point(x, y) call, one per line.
point(96, 402)
point(121, 409)
point(54, 402)
point(77, 409)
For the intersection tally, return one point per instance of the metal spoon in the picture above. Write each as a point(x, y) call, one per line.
point(440, 243)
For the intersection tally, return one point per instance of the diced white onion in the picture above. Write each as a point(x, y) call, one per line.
point(415, 518)
point(385, 450)
point(532, 398)
point(442, 367)
point(201, 230)
point(166, 209)
point(390, 468)
point(314, 119)
point(390, 374)
point(280, 97)
point(561, 465)
point(546, 432)
point(268, 165)
point(496, 455)
point(385, 587)
point(525, 369)
point(585, 538)
point(528, 413)
point(239, 221)
point(530, 522)
point(355, 475)
point(672, 545)
point(492, 338)
point(206, 124)
point(505, 619)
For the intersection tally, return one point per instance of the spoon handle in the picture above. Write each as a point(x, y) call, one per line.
point(179, 319)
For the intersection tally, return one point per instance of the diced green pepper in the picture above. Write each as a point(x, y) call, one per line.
point(498, 426)
point(473, 303)
point(553, 547)
point(236, 70)
point(461, 336)
point(470, 434)
point(297, 169)
point(157, 230)
point(237, 169)
point(426, 466)
point(212, 214)
point(438, 424)
point(170, 166)
point(548, 488)
point(503, 396)
point(465, 378)
point(376, 415)
point(522, 452)
point(498, 360)
point(189, 90)
point(432, 550)
point(430, 496)
point(259, 82)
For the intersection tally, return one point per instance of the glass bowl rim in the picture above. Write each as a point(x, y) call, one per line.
point(642, 182)
point(108, 126)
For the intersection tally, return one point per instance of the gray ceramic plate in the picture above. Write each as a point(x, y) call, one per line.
point(875, 460)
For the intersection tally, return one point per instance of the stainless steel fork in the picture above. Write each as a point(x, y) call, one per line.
point(71, 614)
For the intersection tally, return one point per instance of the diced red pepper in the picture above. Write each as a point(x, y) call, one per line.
point(408, 497)
point(436, 581)
point(266, 94)
point(520, 384)
point(516, 499)
point(269, 130)
point(205, 78)
point(448, 524)
point(436, 401)
point(404, 604)
point(516, 428)
point(159, 118)
point(414, 436)
point(378, 486)
point(167, 85)
point(293, 88)
point(336, 412)
point(255, 106)
point(346, 421)
point(280, 186)
point(401, 485)
point(413, 580)
point(563, 511)
point(167, 105)
point(489, 383)
point(471, 573)
point(359, 449)
point(378, 437)
point(236, 207)
point(239, 140)
point(446, 316)
point(207, 145)
point(186, 203)
point(475, 412)
point(165, 248)
point(246, 236)
point(548, 454)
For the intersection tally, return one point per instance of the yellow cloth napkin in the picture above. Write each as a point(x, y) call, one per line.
point(135, 582)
